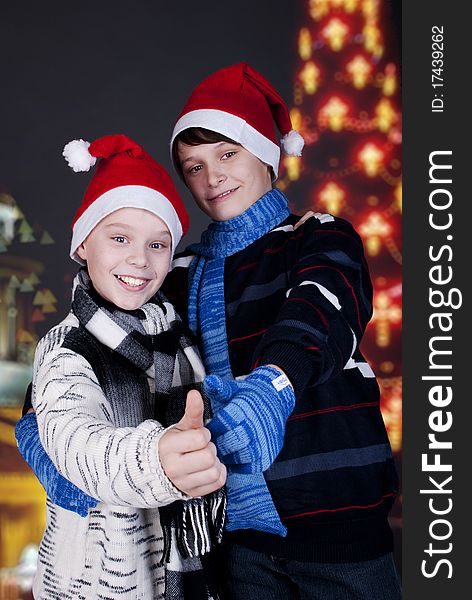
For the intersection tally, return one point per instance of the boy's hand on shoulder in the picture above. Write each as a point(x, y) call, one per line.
point(303, 219)
point(187, 454)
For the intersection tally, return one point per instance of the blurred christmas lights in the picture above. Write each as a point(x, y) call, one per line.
point(346, 97)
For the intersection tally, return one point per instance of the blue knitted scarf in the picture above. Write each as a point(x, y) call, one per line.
point(207, 316)
point(206, 303)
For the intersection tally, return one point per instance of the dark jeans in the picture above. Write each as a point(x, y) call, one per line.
point(252, 575)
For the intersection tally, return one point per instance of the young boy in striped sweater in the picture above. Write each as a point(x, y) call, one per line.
point(109, 388)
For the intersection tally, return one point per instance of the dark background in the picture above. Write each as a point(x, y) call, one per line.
point(82, 70)
point(85, 69)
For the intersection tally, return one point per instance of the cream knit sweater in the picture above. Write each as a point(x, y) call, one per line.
point(115, 551)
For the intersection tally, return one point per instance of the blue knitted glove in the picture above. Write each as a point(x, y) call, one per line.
point(250, 505)
point(59, 489)
point(248, 430)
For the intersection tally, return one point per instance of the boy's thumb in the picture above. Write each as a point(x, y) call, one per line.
point(193, 416)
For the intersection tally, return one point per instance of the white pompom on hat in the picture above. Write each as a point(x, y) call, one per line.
point(78, 156)
point(239, 103)
point(126, 177)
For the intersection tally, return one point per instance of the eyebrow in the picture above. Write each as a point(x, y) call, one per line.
point(218, 145)
point(125, 226)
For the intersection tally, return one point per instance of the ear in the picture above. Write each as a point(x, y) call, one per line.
point(82, 252)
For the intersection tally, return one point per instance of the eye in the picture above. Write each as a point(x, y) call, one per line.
point(157, 245)
point(194, 169)
point(120, 239)
point(229, 154)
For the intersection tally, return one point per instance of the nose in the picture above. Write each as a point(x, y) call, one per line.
point(137, 257)
point(216, 176)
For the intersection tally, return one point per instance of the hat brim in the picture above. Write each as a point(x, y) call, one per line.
point(127, 196)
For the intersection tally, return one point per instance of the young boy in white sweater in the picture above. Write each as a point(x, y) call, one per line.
point(112, 394)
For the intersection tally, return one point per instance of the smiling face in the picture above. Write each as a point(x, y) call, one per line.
point(128, 256)
point(224, 178)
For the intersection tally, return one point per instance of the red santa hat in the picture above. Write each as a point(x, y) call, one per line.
point(238, 102)
point(126, 177)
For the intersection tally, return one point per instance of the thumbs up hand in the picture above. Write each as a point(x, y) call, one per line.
point(187, 455)
point(193, 416)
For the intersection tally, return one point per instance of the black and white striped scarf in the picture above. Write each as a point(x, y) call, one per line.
point(154, 339)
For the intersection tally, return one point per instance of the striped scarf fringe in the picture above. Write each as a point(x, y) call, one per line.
point(195, 533)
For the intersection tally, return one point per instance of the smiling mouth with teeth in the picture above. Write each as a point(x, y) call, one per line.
point(223, 195)
point(132, 281)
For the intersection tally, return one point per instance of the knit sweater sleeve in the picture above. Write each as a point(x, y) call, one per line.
point(327, 307)
point(117, 465)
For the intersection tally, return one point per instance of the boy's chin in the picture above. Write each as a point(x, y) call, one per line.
point(131, 303)
point(226, 213)
point(122, 306)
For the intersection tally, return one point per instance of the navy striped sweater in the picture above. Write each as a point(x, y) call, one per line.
point(301, 299)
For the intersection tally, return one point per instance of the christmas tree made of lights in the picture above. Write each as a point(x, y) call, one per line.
point(25, 305)
point(24, 301)
point(346, 104)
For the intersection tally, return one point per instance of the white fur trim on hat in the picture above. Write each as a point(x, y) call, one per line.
point(126, 196)
point(77, 155)
point(236, 129)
